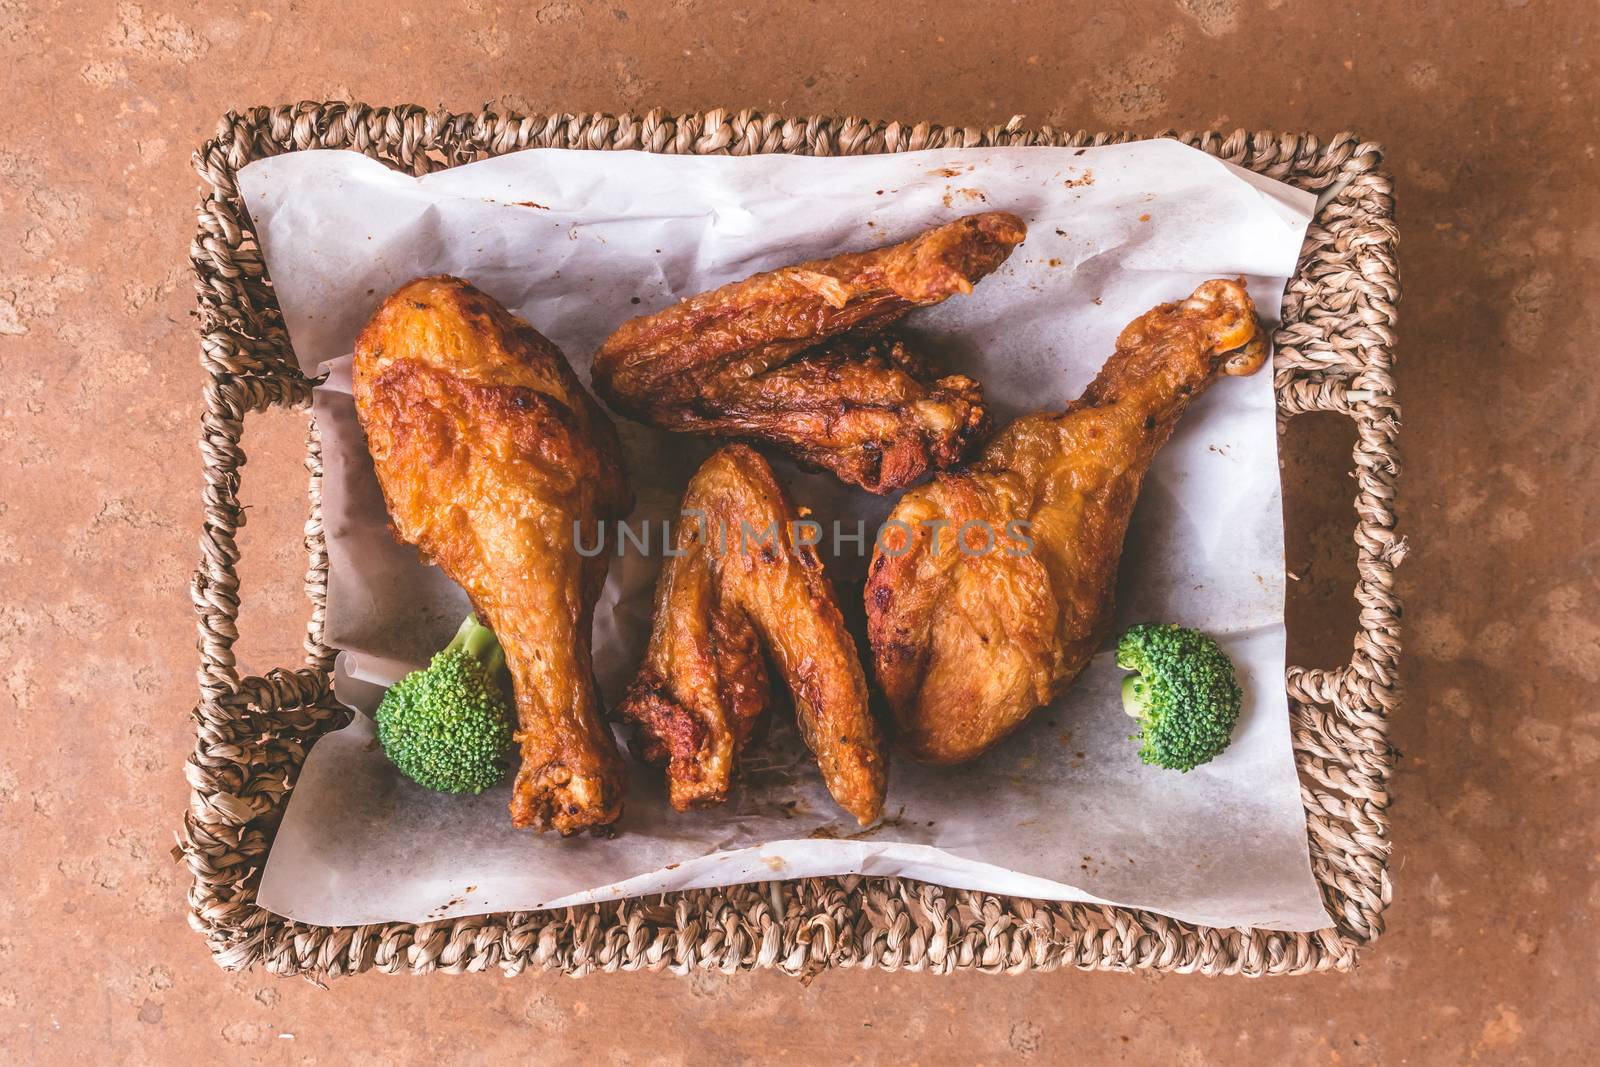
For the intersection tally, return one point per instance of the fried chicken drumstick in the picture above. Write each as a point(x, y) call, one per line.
point(742, 581)
point(967, 643)
point(491, 456)
point(762, 360)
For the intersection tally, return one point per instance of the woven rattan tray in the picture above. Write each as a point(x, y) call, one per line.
point(1334, 353)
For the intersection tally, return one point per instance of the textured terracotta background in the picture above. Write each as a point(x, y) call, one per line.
point(1489, 117)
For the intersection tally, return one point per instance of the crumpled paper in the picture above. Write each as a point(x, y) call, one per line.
point(579, 241)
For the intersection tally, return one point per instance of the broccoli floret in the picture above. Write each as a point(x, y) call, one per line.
point(447, 726)
point(1184, 694)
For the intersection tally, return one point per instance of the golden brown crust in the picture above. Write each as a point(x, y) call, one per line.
point(753, 360)
point(967, 643)
point(490, 454)
point(742, 582)
point(865, 408)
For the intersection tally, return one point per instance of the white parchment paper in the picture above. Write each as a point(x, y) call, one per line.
point(579, 241)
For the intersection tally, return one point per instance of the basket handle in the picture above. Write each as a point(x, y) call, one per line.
point(214, 588)
point(1370, 679)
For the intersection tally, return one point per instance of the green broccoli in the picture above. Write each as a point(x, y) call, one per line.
point(1183, 693)
point(447, 726)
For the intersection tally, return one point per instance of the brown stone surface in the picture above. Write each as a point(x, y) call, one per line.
point(1488, 114)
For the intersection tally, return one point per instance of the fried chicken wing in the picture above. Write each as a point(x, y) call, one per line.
point(761, 360)
point(744, 578)
point(997, 590)
point(492, 458)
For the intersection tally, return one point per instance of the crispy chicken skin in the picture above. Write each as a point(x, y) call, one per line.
point(761, 360)
point(967, 642)
point(730, 592)
point(490, 455)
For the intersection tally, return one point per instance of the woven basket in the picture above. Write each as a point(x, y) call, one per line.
point(1334, 353)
